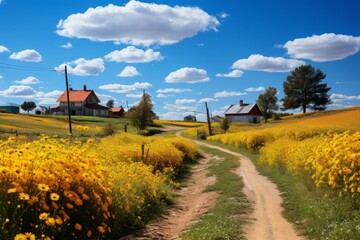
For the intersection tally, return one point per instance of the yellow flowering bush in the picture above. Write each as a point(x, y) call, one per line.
point(336, 161)
point(50, 187)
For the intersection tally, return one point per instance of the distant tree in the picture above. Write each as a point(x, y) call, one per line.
point(28, 106)
point(110, 103)
point(225, 124)
point(303, 88)
point(141, 116)
point(267, 102)
point(190, 118)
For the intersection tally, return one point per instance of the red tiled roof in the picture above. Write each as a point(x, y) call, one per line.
point(118, 109)
point(76, 96)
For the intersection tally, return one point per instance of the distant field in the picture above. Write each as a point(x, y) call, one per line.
point(57, 125)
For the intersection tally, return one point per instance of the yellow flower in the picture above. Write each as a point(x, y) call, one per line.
point(90, 141)
point(20, 237)
point(24, 196)
point(69, 205)
point(12, 190)
point(30, 236)
point(43, 216)
point(50, 221)
point(43, 187)
point(54, 196)
point(78, 227)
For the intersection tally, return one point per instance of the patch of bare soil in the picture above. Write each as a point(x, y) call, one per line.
point(191, 203)
point(266, 220)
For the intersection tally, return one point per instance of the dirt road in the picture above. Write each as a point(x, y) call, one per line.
point(268, 223)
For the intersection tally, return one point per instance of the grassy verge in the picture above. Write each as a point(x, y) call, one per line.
point(224, 221)
point(319, 213)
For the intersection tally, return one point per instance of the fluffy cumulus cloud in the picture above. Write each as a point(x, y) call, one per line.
point(3, 49)
point(203, 100)
point(137, 23)
point(129, 71)
point(27, 92)
point(173, 90)
point(233, 74)
point(253, 89)
point(339, 98)
point(267, 64)
point(224, 94)
point(122, 88)
point(132, 54)
point(134, 95)
point(28, 81)
point(67, 45)
point(187, 75)
point(28, 55)
point(325, 47)
point(185, 101)
point(83, 67)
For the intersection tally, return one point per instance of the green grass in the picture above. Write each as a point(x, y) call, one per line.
point(225, 220)
point(319, 213)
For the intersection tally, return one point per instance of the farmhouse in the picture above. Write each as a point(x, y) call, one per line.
point(116, 112)
point(244, 112)
point(82, 102)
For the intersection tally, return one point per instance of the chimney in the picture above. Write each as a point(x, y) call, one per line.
point(84, 87)
point(71, 89)
point(241, 102)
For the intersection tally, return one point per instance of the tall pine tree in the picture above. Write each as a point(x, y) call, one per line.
point(303, 89)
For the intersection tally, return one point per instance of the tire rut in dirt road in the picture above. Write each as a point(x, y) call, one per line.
point(191, 203)
point(266, 223)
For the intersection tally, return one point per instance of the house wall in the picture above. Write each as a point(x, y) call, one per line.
point(245, 118)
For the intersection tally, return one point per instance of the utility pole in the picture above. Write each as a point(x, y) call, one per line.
point(68, 100)
point(208, 118)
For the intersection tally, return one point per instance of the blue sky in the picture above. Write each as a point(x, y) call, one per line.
point(183, 53)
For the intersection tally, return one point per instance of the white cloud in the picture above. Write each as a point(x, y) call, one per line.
point(161, 95)
point(185, 101)
point(28, 55)
point(233, 74)
point(22, 91)
point(83, 67)
point(29, 81)
point(67, 45)
point(224, 15)
point(18, 91)
point(134, 95)
point(104, 98)
point(338, 98)
point(252, 89)
point(203, 100)
point(171, 116)
point(323, 48)
point(120, 88)
point(187, 75)
point(129, 71)
point(132, 54)
point(178, 107)
point(173, 90)
point(224, 94)
point(3, 49)
point(1, 77)
point(137, 23)
point(267, 64)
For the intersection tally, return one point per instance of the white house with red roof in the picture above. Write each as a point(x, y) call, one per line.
point(82, 102)
point(244, 112)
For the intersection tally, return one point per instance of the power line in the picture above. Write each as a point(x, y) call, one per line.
point(25, 68)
